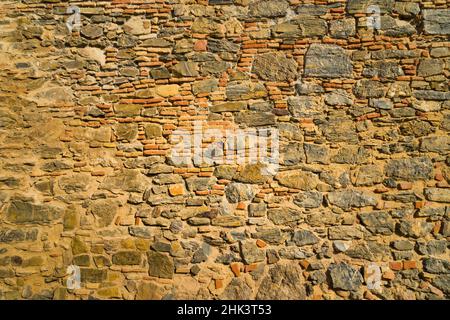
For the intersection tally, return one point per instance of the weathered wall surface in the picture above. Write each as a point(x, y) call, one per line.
point(86, 177)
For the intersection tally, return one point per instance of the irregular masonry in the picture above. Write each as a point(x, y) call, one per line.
point(86, 126)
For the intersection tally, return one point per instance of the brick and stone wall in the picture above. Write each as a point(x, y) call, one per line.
point(358, 208)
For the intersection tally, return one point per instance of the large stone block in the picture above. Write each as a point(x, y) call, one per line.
point(327, 61)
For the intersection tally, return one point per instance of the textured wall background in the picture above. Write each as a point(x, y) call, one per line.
point(86, 178)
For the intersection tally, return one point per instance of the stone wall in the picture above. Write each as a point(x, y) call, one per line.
point(358, 208)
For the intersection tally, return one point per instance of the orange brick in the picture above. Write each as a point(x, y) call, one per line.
point(251, 267)
point(388, 275)
point(260, 243)
point(236, 268)
point(405, 185)
point(241, 206)
point(200, 45)
point(176, 190)
point(304, 264)
point(419, 204)
point(396, 265)
point(219, 283)
point(409, 265)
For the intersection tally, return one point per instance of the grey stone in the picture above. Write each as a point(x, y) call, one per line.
point(327, 61)
point(222, 45)
point(432, 248)
point(414, 229)
point(126, 131)
point(384, 104)
point(360, 6)
point(304, 238)
point(437, 194)
point(283, 282)
point(23, 211)
point(385, 70)
point(351, 155)
point(412, 169)
point(17, 235)
point(340, 130)
point(56, 165)
point(436, 266)
point(245, 90)
point(343, 28)
point(228, 107)
point(436, 21)
point(345, 233)
point(345, 277)
point(308, 199)
point(407, 9)
point(270, 235)
point(438, 144)
point(316, 153)
point(127, 258)
point(92, 31)
point(302, 27)
point(378, 222)
point(160, 265)
point(368, 89)
point(255, 118)
point(93, 275)
point(228, 221)
point(251, 253)
point(292, 153)
point(238, 192)
point(268, 8)
point(431, 95)
point(402, 245)
point(130, 180)
point(257, 209)
point(430, 67)
point(186, 69)
point(275, 67)
point(205, 86)
point(141, 232)
point(396, 28)
point(303, 106)
point(225, 172)
point(347, 199)
point(237, 289)
point(368, 175)
point(338, 97)
point(280, 216)
point(297, 179)
point(416, 128)
point(442, 282)
point(200, 183)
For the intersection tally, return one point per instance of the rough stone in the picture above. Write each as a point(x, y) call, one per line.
point(347, 199)
point(160, 265)
point(304, 238)
point(283, 282)
point(308, 199)
point(268, 8)
point(378, 222)
point(345, 277)
point(275, 67)
point(280, 216)
point(436, 21)
point(296, 179)
point(327, 61)
point(251, 253)
point(411, 169)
